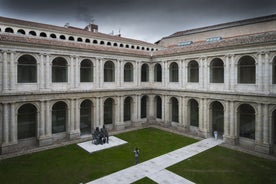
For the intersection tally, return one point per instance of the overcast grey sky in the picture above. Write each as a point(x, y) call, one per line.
point(147, 20)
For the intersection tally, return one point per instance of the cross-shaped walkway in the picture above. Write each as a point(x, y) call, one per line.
point(155, 168)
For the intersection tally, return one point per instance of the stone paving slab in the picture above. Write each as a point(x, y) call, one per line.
point(90, 148)
point(153, 167)
point(167, 177)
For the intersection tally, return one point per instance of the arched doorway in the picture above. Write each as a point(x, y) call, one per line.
point(59, 117)
point(26, 121)
point(217, 111)
point(108, 111)
point(174, 110)
point(127, 109)
point(246, 117)
point(85, 117)
point(144, 105)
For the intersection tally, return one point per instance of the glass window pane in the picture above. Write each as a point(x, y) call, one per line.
point(26, 121)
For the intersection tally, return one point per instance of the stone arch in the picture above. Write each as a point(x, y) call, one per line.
point(145, 73)
point(86, 70)
point(109, 71)
point(109, 111)
point(59, 70)
point(144, 106)
point(86, 116)
point(193, 112)
point(128, 72)
point(217, 71)
point(158, 106)
point(193, 71)
point(217, 117)
point(128, 108)
point(246, 120)
point(59, 117)
point(174, 108)
point(246, 70)
point(26, 69)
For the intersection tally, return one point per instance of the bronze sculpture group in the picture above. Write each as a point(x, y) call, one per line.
point(100, 136)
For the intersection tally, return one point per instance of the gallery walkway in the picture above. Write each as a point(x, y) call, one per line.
point(155, 168)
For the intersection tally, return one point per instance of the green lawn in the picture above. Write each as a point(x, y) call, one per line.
point(71, 164)
point(221, 165)
point(145, 181)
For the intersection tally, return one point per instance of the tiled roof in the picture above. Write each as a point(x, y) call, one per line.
point(223, 25)
point(19, 39)
point(239, 41)
point(73, 31)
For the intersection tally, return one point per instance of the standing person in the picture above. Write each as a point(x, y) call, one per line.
point(136, 155)
point(216, 134)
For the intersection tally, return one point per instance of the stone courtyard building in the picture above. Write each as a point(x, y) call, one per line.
point(59, 83)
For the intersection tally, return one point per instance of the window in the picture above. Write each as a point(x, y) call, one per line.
point(85, 117)
point(59, 70)
point(102, 43)
point(158, 107)
point(32, 33)
point(21, 31)
point(53, 36)
point(194, 113)
point(108, 44)
point(145, 73)
point(144, 102)
point(274, 71)
point(121, 45)
point(127, 109)
point(157, 73)
point(95, 42)
point(174, 110)
point(115, 45)
point(86, 71)
point(59, 117)
point(71, 38)
point(62, 37)
point(246, 70)
point(128, 72)
point(87, 40)
point(193, 74)
point(274, 126)
point(173, 72)
point(9, 30)
point(217, 71)
point(246, 117)
point(108, 111)
point(109, 73)
point(26, 69)
point(42, 34)
point(79, 39)
point(26, 121)
point(217, 117)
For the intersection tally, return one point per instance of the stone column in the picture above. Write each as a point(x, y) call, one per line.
point(184, 113)
point(259, 74)
point(46, 123)
point(206, 75)
point(12, 71)
point(42, 130)
point(48, 71)
point(151, 108)
point(180, 73)
point(259, 131)
point(226, 121)
point(117, 72)
point(77, 72)
point(232, 72)
point(101, 73)
point(138, 69)
point(41, 80)
point(71, 72)
point(119, 125)
point(134, 115)
point(13, 127)
point(201, 73)
point(101, 112)
point(167, 114)
point(227, 78)
point(77, 117)
point(266, 126)
point(5, 124)
point(138, 102)
point(5, 72)
point(267, 73)
point(163, 73)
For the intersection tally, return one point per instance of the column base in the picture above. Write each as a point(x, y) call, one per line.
point(74, 135)
point(264, 148)
point(120, 126)
point(45, 141)
point(230, 140)
point(8, 148)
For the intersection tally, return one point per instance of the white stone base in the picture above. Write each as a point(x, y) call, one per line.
point(90, 147)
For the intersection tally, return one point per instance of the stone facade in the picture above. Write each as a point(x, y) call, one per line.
point(167, 101)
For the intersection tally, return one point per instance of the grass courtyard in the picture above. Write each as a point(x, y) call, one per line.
point(71, 164)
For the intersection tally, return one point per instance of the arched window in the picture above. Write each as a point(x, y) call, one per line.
point(144, 104)
point(174, 110)
point(108, 44)
point(71, 38)
point(121, 45)
point(59, 70)
point(194, 113)
point(193, 74)
point(115, 44)
point(86, 71)
point(137, 47)
point(9, 30)
point(26, 69)
point(173, 72)
point(127, 109)
point(217, 117)
point(246, 117)
point(246, 70)
point(217, 71)
point(59, 117)
point(108, 111)
point(127, 46)
point(21, 31)
point(26, 121)
point(79, 39)
point(109, 72)
point(85, 117)
point(128, 72)
point(32, 33)
point(145, 73)
point(62, 37)
point(143, 48)
point(274, 71)
point(102, 43)
point(42, 34)
point(157, 73)
point(95, 42)
point(87, 40)
point(158, 107)
point(53, 36)
point(132, 47)
point(274, 126)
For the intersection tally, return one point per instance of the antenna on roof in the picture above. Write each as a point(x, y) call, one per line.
point(119, 32)
point(67, 25)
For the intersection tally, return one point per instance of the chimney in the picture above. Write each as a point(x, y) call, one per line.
point(91, 27)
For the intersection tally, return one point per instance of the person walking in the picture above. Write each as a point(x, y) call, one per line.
point(136, 155)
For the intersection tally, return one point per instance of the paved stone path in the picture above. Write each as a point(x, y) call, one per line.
point(155, 168)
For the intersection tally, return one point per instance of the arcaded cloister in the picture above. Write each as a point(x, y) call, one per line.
point(59, 83)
